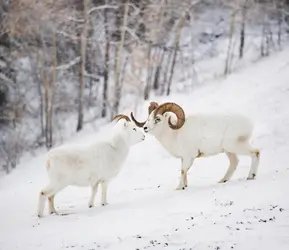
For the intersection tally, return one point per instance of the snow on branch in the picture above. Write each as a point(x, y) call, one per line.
point(92, 76)
point(6, 79)
point(75, 19)
point(68, 65)
point(65, 34)
point(131, 32)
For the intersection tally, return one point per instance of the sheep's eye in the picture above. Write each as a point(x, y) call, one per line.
point(134, 129)
point(157, 120)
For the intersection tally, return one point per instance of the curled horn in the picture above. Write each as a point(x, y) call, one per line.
point(118, 117)
point(152, 107)
point(174, 108)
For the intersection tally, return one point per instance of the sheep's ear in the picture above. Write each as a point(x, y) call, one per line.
point(125, 124)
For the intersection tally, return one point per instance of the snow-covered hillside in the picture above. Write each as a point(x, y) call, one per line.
point(146, 212)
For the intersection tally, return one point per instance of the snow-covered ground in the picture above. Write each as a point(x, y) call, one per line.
point(145, 211)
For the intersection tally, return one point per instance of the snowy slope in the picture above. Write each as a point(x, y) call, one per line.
point(146, 212)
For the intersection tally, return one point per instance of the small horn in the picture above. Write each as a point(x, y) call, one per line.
point(174, 108)
point(151, 108)
point(120, 116)
point(139, 124)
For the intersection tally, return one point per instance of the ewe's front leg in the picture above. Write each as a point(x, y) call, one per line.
point(93, 193)
point(186, 164)
point(104, 185)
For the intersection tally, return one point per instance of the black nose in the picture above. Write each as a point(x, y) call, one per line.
point(145, 128)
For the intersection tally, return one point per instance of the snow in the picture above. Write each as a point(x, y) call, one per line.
point(145, 211)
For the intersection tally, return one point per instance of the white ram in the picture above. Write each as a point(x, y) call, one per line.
point(201, 135)
point(89, 165)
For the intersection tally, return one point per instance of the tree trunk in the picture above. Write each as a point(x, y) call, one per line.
point(149, 75)
point(231, 33)
point(46, 105)
point(53, 82)
point(117, 90)
point(39, 65)
point(242, 33)
point(83, 42)
point(280, 7)
point(264, 39)
point(156, 79)
point(179, 27)
point(166, 72)
point(172, 69)
point(106, 66)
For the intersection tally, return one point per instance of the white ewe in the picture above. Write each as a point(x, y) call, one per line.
point(201, 135)
point(89, 165)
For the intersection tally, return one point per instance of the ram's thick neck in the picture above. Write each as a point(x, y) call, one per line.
point(169, 139)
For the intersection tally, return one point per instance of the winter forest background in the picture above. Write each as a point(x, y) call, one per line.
point(65, 64)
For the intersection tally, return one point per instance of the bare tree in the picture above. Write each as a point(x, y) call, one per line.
point(118, 57)
point(231, 34)
point(179, 28)
point(149, 74)
point(244, 7)
point(83, 43)
point(106, 65)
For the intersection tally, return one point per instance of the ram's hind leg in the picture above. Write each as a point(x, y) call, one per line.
point(244, 148)
point(232, 167)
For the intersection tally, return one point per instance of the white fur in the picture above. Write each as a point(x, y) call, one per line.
point(205, 135)
point(88, 165)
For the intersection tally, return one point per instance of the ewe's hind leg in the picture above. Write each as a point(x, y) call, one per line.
point(255, 158)
point(93, 193)
point(48, 191)
point(42, 199)
point(232, 167)
point(51, 205)
point(186, 164)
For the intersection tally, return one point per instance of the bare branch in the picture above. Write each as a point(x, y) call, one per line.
point(68, 65)
point(102, 8)
point(132, 33)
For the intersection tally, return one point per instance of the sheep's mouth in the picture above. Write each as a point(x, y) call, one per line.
point(147, 130)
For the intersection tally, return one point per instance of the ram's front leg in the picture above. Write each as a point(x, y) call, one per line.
point(186, 164)
point(104, 185)
point(93, 193)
